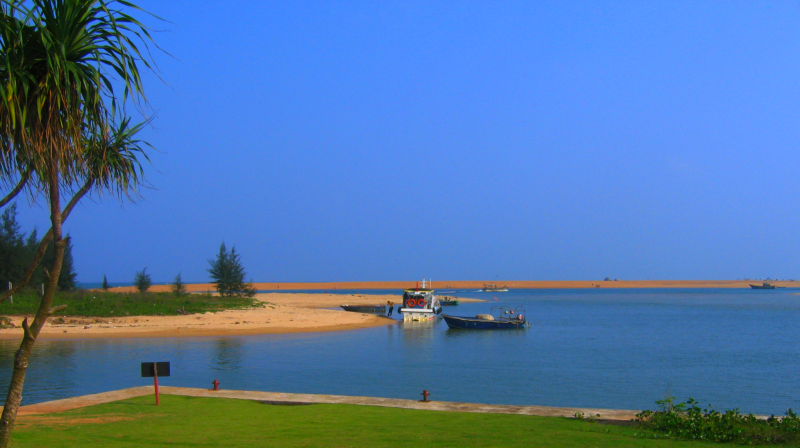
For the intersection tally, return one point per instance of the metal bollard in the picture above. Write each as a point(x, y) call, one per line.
point(215, 383)
point(425, 394)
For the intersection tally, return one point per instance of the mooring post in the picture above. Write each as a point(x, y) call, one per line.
point(425, 394)
point(155, 382)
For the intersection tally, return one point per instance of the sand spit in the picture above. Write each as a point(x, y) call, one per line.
point(281, 313)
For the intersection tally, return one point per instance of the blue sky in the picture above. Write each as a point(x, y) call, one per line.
point(463, 140)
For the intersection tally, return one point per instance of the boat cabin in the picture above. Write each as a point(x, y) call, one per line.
point(420, 304)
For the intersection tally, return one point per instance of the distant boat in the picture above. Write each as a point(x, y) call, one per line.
point(369, 309)
point(508, 319)
point(448, 301)
point(765, 285)
point(493, 287)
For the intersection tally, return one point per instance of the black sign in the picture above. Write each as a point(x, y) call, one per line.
point(149, 369)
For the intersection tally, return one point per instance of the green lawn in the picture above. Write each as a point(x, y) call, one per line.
point(217, 422)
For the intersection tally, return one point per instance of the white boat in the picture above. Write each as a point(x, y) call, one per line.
point(492, 287)
point(420, 304)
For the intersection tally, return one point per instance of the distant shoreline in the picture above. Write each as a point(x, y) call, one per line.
point(478, 284)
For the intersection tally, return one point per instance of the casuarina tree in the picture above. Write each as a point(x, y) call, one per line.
point(142, 280)
point(16, 253)
point(178, 287)
point(67, 70)
point(228, 273)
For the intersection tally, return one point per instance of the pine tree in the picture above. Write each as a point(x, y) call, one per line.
point(178, 287)
point(142, 280)
point(66, 281)
point(105, 283)
point(228, 274)
point(17, 252)
point(12, 248)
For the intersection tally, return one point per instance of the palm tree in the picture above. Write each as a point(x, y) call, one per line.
point(63, 130)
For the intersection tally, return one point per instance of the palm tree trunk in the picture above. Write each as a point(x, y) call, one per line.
point(23, 355)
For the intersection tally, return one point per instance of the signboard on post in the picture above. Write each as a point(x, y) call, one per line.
point(154, 370)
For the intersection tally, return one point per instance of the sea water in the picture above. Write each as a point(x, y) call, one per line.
point(608, 348)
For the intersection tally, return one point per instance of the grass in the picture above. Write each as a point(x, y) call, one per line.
point(112, 304)
point(211, 422)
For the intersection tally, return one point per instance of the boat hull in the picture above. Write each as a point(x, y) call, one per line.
point(369, 309)
point(762, 286)
point(458, 322)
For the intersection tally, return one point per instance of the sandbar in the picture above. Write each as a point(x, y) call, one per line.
point(280, 313)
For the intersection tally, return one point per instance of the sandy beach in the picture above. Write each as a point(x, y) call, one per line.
point(281, 313)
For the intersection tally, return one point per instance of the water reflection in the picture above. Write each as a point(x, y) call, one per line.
point(227, 354)
point(415, 333)
point(46, 355)
point(502, 336)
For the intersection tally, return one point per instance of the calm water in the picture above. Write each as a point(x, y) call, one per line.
point(599, 348)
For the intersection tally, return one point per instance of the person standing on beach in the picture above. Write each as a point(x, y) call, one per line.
point(390, 307)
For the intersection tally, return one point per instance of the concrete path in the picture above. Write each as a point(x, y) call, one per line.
point(284, 398)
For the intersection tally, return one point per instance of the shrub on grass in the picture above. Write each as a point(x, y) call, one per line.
point(687, 420)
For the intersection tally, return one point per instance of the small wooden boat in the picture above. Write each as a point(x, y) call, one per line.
point(448, 301)
point(765, 285)
point(369, 309)
point(509, 318)
point(481, 323)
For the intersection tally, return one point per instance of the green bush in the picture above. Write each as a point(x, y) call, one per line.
point(687, 420)
point(110, 304)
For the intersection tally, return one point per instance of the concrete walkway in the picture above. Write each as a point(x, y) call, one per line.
point(287, 398)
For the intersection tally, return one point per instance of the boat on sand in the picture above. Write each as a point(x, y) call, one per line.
point(369, 309)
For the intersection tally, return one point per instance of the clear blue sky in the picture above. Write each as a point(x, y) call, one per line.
point(464, 140)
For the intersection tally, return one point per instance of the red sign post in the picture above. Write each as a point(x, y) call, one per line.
point(154, 369)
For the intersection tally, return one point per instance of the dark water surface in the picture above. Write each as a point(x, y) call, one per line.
point(598, 348)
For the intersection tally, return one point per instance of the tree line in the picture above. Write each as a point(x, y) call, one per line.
point(18, 250)
point(226, 271)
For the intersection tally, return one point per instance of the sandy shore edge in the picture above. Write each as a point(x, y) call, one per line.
point(281, 397)
point(280, 313)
